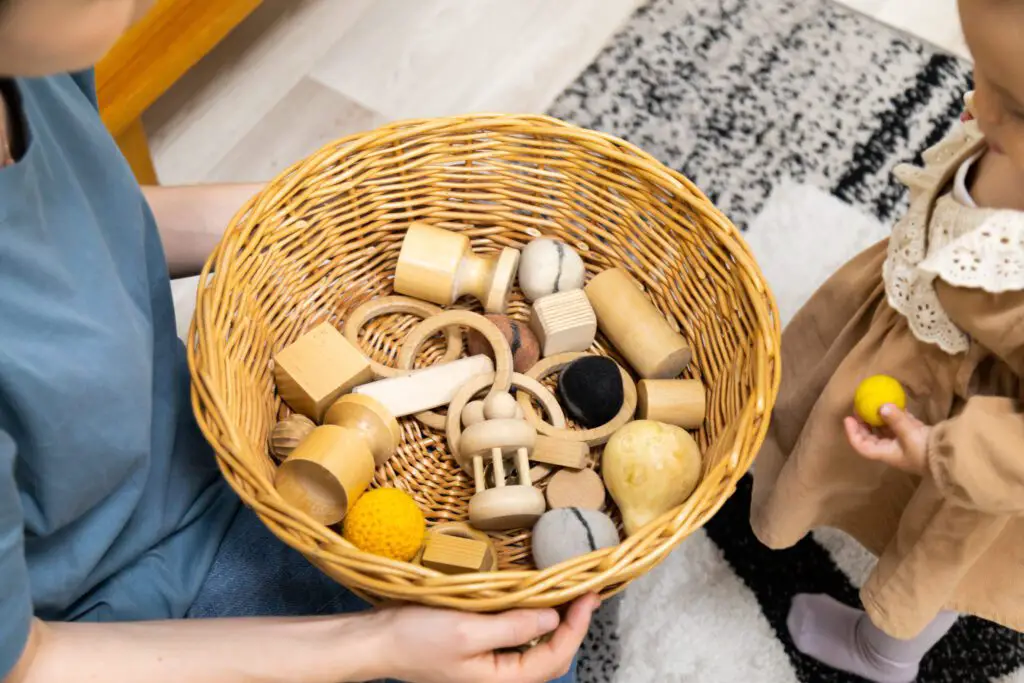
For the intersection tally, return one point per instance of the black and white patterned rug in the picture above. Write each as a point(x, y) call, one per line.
point(790, 115)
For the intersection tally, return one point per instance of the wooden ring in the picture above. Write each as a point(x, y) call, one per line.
point(502, 352)
point(468, 391)
point(592, 437)
point(386, 305)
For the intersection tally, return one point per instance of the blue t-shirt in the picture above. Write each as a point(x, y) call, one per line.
point(111, 505)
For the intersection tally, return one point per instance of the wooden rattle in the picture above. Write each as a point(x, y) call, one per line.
point(314, 370)
point(563, 322)
point(438, 265)
point(680, 402)
point(636, 328)
point(398, 304)
point(499, 434)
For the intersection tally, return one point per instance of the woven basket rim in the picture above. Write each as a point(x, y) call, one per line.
point(607, 570)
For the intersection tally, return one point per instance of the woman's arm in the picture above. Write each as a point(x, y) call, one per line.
point(192, 218)
point(416, 644)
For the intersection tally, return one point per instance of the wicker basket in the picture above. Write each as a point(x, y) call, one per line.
point(324, 238)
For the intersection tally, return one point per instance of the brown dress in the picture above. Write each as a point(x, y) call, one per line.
point(955, 538)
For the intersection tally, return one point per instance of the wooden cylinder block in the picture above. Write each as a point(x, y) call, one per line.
point(439, 265)
point(371, 419)
point(325, 475)
point(680, 402)
point(635, 326)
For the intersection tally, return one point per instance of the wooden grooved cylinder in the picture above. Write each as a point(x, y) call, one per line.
point(680, 402)
point(636, 327)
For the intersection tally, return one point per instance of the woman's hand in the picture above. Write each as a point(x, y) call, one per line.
point(906, 449)
point(424, 645)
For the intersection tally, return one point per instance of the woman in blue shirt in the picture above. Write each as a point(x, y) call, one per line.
point(114, 522)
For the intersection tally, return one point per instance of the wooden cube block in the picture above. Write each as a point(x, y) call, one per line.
point(317, 368)
point(563, 322)
point(560, 452)
point(454, 554)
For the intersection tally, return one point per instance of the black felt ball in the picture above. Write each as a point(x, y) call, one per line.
point(590, 390)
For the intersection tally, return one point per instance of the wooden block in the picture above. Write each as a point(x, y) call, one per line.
point(425, 389)
point(680, 402)
point(454, 554)
point(563, 322)
point(317, 368)
point(582, 489)
point(560, 452)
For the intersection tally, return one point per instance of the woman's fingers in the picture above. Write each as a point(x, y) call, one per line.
point(552, 659)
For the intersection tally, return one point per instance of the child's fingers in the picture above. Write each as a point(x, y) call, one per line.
point(870, 446)
point(902, 423)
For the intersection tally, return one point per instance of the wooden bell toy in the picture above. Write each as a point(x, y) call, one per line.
point(439, 266)
point(495, 430)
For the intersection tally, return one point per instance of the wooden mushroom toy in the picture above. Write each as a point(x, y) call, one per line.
point(438, 265)
point(494, 431)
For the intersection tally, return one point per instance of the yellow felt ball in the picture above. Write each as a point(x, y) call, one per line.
point(386, 522)
point(875, 392)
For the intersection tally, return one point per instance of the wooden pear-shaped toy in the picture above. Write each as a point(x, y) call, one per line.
point(495, 429)
point(649, 468)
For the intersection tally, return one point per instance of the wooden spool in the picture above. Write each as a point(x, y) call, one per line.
point(389, 305)
point(680, 402)
point(635, 326)
point(438, 265)
point(591, 437)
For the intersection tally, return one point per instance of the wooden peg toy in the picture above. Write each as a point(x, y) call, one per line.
point(635, 326)
point(425, 389)
point(497, 436)
point(563, 322)
point(580, 489)
point(318, 367)
point(288, 433)
point(560, 452)
point(326, 473)
point(680, 402)
point(371, 420)
point(548, 266)
point(439, 266)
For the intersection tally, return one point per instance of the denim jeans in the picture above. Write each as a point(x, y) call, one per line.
point(255, 574)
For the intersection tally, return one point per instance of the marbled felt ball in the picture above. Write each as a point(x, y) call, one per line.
point(565, 533)
point(590, 390)
point(521, 339)
point(547, 266)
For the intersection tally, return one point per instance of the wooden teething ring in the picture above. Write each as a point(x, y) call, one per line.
point(474, 321)
point(468, 391)
point(387, 305)
point(592, 437)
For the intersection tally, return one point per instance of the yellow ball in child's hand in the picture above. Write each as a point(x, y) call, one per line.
point(386, 522)
point(875, 392)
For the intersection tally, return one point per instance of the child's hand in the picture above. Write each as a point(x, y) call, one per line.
point(908, 451)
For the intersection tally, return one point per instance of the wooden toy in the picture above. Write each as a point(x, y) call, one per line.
point(579, 489)
point(563, 322)
point(460, 409)
point(547, 266)
point(520, 338)
point(388, 305)
point(439, 266)
point(563, 534)
point(418, 335)
point(650, 468)
point(422, 390)
point(560, 452)
point(498, 436)
point(386, 522)
point(680, 402)
point(590, 390)
point(326, 473)
point(454, 555)
point(288, 433)
point(371, 420)
point(318, 367)
point(591, 437)
point(458, 562)
point(635, 326)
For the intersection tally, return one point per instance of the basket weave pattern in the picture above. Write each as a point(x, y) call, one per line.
point(324, 237)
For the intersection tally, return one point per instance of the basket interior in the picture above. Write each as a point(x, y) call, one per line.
point(324, 238)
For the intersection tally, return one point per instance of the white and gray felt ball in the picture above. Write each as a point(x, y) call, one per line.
point(565, 533)
point(547, 266)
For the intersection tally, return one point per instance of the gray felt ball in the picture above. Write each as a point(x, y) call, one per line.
point(547, 266)
point(565, 533)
